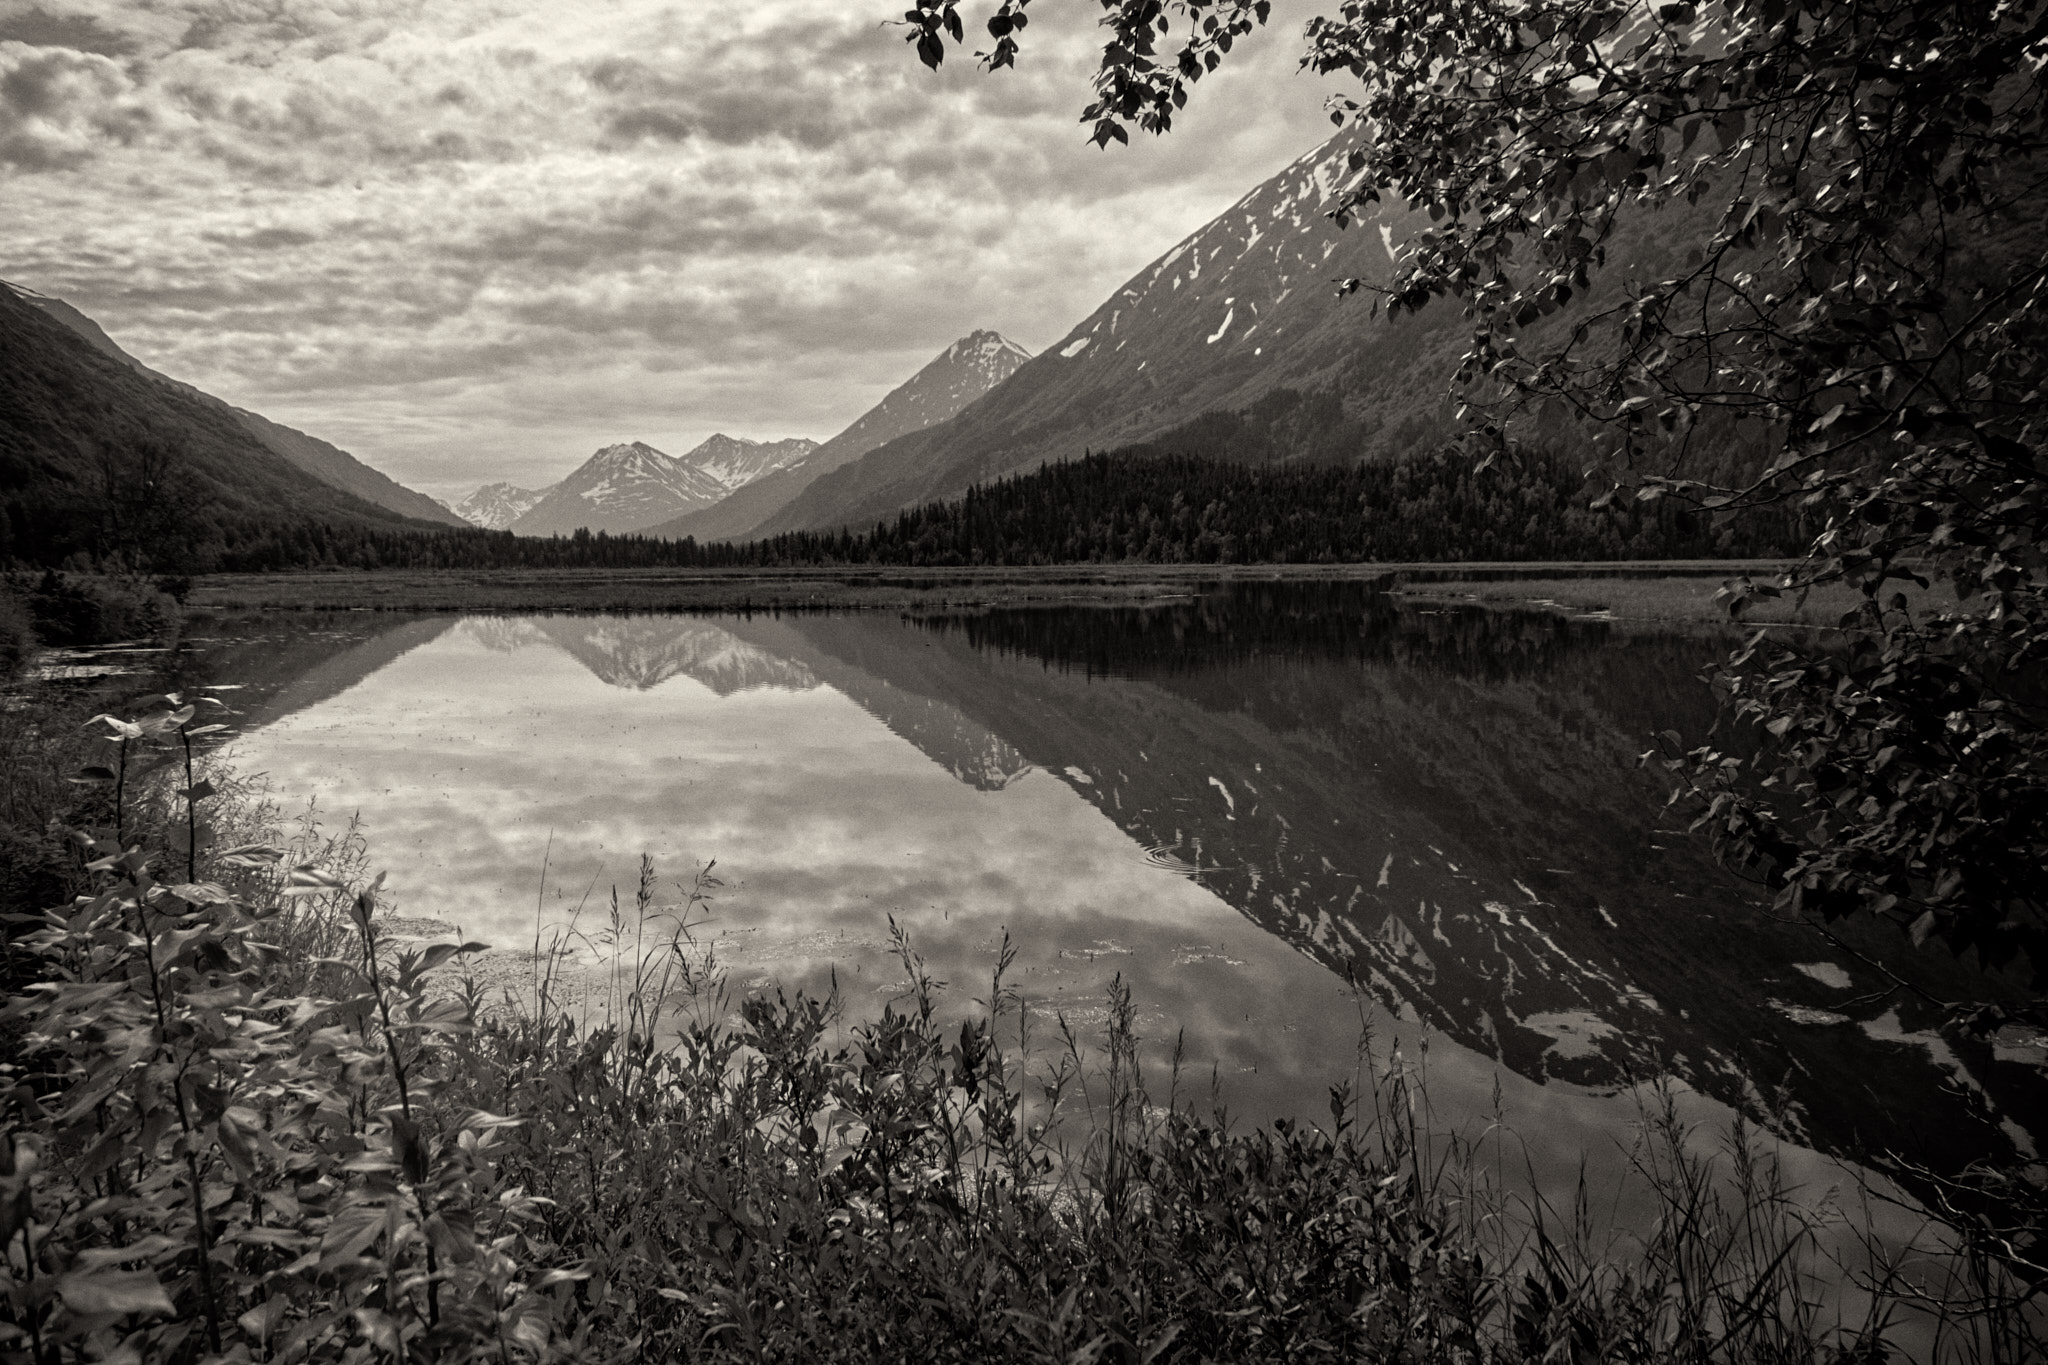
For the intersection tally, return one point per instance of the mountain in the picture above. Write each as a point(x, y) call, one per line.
point(642, 652)
point(944, 733)
point(958, 375)
point(329, 464)
point(737, 462)
point(632, 486)
point(1243, 307)
point(97, 457)
point(622, 487)
point(496, 506)
point(1243, 320)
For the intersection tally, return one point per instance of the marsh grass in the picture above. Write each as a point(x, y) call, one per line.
point(1651, 597)
point(850, 587)
point(792, 589)
point(244, 1121)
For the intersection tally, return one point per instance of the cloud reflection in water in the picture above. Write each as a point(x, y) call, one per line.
point(584, 741)
point(1445, 808)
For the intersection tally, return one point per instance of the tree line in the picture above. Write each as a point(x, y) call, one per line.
point(1171, 508)
point(1142, 506)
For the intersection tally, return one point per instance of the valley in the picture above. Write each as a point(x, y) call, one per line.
point(1235, 347)
point(884, 725)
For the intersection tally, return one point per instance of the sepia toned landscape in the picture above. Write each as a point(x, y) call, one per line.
point(1167, 681)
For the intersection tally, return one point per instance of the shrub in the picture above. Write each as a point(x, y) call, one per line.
point(17, 634)
point(94, 609)
point(199, 1164)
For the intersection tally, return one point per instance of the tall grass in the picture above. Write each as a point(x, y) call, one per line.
point(244, 1122)
point(1673, 599)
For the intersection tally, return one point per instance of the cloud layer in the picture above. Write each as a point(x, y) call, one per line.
point(476, 239)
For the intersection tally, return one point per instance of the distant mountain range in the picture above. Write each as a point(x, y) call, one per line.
point(631, 486)
point(734, 461)
point(958, 375)
point(329, 464)
point(1240, 317)
point(726, 486)
point(644, 652)
point(1237, 346)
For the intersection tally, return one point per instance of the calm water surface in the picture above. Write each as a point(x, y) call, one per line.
point(1241, 803)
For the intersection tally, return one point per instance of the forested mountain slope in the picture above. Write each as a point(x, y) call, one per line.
point(1244, 317)
point(328, 463)
point(97, 458)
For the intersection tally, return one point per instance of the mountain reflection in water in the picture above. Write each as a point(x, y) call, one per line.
point(1239, 802)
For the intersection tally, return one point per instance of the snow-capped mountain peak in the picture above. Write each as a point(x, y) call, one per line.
point(958, 375)
point(618, 475)
point(631, 486)
point(622, 487)
point(735, 461)
point(990, 352)
point(952, 379)
point(496, 506)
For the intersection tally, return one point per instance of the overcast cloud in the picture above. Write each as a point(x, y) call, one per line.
point(475, 239)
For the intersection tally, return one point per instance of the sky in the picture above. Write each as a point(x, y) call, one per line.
point(474, 240)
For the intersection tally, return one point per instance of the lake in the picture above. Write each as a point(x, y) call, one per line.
point(1286, 815)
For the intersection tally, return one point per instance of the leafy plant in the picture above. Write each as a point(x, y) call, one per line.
point(202, 1166)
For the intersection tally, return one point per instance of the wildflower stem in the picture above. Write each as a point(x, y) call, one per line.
point(191, 815)
point(191, 1143)
point(365, 903)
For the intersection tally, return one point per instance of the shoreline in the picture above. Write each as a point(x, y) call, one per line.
point(1665, 591)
